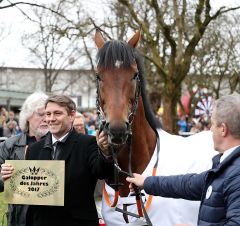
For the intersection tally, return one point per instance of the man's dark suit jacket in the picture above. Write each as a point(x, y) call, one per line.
point(83, 166)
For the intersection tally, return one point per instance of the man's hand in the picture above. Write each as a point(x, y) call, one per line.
point(6, 171)
point(102, 141)
point(137, 179)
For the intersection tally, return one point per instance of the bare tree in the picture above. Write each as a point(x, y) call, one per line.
point(215, 59)
point(60, 42)
point(5, 4)
point(50, 48)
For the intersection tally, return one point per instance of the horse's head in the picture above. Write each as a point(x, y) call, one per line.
point(118, 87)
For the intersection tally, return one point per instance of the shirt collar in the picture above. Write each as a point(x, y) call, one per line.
point(61, 139)
point(227, 153)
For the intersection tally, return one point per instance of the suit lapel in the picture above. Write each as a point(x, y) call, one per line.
point(46, 153)
point(68, 146)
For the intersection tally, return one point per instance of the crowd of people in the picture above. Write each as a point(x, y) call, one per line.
point(191, 125)
point(9, 125)
point(86, 122)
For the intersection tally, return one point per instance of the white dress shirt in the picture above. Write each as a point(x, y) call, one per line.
point(227, 153)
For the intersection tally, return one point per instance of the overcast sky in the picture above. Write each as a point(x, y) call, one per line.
point(13, 54)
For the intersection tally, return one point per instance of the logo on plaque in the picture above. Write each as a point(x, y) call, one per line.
point(40, 183)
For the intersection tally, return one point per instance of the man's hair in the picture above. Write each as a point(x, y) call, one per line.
point(227, 110)
point(33, 102)
point(63, 101)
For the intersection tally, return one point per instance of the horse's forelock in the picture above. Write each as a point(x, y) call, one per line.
point(114, 52)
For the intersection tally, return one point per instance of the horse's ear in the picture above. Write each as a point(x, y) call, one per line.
point(99, 40)
point(135, 39)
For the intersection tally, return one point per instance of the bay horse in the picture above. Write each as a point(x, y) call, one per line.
point(138, 142)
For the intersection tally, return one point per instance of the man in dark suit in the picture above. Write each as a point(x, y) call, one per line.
point(84, 164)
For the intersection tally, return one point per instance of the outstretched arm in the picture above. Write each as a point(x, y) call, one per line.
point(187, 186)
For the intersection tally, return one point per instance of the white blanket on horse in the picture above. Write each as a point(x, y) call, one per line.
point(178, 155)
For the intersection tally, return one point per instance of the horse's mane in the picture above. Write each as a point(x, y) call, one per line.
point(114, 51)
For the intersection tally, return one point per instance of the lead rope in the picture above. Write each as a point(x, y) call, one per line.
point(139, 201)
point(154, 172)
point(116, 194)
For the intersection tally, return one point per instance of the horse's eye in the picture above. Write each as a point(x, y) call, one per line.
point(135, 76)
point(98, 77)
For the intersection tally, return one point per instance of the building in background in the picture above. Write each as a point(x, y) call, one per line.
point(17, 83)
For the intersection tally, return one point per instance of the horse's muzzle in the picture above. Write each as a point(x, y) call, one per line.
point(117, 133)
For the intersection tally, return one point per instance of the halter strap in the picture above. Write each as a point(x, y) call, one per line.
point(145, 207)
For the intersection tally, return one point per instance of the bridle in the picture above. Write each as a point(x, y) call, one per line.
point(114, 149)
point(131, 114)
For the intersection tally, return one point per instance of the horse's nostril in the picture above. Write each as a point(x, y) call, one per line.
point(118, 133)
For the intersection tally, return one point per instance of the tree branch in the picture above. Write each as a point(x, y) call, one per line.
point(36, 5)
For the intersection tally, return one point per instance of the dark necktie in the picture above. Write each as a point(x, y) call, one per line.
point(57, 151)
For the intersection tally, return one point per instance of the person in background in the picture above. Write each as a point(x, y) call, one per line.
point(196, 126)
point(182, 124)
point(33, 124)
point(11, 129)
point(84, 164)
point(218, 189)
point(90, 122)
point(12, 117)
point(92, 130)
point(79, 124)
point(3, 119)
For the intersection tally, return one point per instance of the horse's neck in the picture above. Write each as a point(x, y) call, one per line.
point(143, 145)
